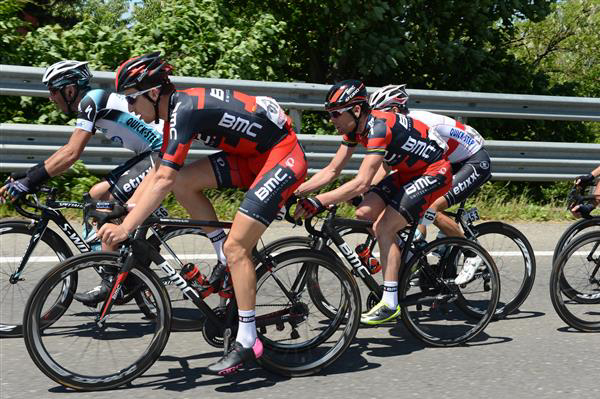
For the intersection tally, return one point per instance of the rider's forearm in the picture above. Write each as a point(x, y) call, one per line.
point(159, 187)
point(61, 160)
point(596, 172)
point(345, 192)
point(319, 179)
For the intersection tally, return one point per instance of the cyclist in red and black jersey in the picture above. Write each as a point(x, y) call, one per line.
point(398, 142)
point(260, 152)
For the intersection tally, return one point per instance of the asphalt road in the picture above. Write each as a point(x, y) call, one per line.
point(531, 354)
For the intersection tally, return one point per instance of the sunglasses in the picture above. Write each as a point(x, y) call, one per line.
point(337, 113)
point(131, 98)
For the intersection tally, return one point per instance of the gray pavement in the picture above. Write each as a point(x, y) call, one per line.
point(531, 354)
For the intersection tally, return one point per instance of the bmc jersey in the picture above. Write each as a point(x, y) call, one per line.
point(463, 141)
point(403, 142)
point(226, 119)
point(109, 113)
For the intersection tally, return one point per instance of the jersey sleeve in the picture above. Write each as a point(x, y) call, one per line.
point(178, 134)
point(347, 141)
point(88, 108)
point(380, 135)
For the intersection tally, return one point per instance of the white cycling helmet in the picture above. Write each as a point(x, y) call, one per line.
point(389, 96)
point(67, 72)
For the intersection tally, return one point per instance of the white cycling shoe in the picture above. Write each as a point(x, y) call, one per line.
point(468, 270)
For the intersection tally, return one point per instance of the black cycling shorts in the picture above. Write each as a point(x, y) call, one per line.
point(124, 179)
point(469, 175)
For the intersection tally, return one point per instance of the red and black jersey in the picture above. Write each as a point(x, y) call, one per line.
point(402, 141)
point(226, 119)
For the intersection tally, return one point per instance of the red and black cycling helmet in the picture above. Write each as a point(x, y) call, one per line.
point(345, 94)
point(143, 72)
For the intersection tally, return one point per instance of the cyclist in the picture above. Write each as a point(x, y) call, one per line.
point(583, 210)
point(96, 110)
point(260, 152)
point(471, 165)
point(400, 143)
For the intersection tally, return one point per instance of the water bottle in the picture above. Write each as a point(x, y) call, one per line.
point(364, 254)
point(197, 280)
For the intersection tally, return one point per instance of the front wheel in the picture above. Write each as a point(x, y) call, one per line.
point(579, 266)
point(434, 308)
point(77, 351)
point(298, 338)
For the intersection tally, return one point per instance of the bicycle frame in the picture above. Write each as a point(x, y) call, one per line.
point(50, 211)
point(138, 249)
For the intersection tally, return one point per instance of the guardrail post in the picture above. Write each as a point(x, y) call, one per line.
point(296, 116)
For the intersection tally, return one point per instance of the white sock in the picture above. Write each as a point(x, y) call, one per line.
point(217, 238)
point(390, 294)
point(246, 334)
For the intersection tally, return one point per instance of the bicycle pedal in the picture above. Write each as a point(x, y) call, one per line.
point(279, 326)
point(294, 334)
point(262, 330)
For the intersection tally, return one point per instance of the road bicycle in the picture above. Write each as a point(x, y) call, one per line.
point(575, 283)
point(102, 348)
point(434, 308)
point(28, 248)
point(512, 253)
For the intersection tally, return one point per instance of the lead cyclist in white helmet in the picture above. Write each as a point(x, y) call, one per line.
point(471, 165)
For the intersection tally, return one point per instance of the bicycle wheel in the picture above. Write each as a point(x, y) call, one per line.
point(579, 265)
point(574, 230)
point(353, 236)
point(184, 245)
point(435, 309)
point(15, 238)
point(298, 339)
point(514, 257)
point(75, 350)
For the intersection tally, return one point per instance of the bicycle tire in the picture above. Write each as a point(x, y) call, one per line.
point(423, 283)
point(15, 236)
point(517, 271)
point(560, 304)
point(284, 354)
point(37, 339)
point(571, 232)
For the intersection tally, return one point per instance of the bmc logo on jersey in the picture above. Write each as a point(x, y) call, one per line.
point(239, 124)
point(418, 147)
point(271, 184)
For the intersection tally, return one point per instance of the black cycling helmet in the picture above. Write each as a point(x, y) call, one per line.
point(388, 97)
point(143, 72)
point(64, 73)
point(346, 94)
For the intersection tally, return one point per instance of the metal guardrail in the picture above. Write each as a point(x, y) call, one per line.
point(296, 96)
point(23, 145)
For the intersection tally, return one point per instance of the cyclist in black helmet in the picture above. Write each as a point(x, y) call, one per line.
point(398, 143)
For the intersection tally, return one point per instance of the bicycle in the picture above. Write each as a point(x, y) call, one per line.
point(578, 302)
point(434, 309)
point(298, 340)
point(28, 248)
point(503, 242)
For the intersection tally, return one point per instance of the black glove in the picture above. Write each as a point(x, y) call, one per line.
point(585, 209)
point(311, 206)
point(18, 188)
point(584, 180)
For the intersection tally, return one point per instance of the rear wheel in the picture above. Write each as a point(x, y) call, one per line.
point(15, 239)
point(434, 308)
point(298, 338)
